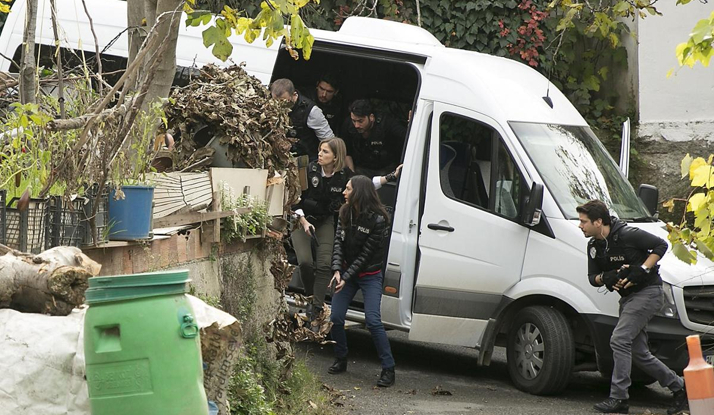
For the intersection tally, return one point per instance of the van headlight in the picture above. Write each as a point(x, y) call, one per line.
point(669, 309)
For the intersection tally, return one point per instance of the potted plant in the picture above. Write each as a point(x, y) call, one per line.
point(132, 191)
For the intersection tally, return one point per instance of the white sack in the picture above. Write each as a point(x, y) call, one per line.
point(42, 360)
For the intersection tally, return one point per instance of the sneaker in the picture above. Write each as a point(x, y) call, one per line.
point(386, 379)
point(613, 406)
point(679, 402)
point(339, 366)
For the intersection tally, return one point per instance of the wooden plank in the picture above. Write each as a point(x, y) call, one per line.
point(216, 224)
point(195, 217)
point(238, 179)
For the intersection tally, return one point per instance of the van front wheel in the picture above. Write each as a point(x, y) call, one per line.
point(540, 350)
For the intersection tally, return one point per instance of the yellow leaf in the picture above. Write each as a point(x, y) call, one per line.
point(679, 51)
point(695, 164)
point(686, 162)
point(670, 73)
point(695, 201)
point(703, 176)
point(669, 205)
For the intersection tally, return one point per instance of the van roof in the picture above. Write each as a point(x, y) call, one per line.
point(515, 91)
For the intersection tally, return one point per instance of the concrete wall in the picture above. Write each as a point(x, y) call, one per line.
point(681, 107)
point(237, 273)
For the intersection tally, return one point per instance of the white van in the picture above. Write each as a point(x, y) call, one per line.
point(485, 248)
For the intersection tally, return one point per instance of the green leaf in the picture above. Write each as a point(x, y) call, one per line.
point(704, 249)
point(683, 254)
point(603, 72)
point(621, 8)
point(222, 48)
point(592, 83)
point(566, 21)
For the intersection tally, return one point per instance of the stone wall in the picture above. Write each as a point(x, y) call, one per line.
point(238, 274)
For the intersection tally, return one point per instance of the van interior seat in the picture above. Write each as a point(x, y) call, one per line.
point(504, 200)
point(484, 168)
point(447, 154)
point(459, 169)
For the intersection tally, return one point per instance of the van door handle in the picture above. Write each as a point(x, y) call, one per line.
point(437, 227)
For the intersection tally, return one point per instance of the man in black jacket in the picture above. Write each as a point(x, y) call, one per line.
point(624, 259)
point(374, 140)
point(309, 123)
point(326, 95)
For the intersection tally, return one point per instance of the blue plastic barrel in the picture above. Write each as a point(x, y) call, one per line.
point(130, 218)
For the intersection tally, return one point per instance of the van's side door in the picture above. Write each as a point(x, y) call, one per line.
point(471, 242)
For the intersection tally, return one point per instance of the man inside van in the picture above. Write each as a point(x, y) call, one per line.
point(624, 259)
point(374, 140)
point(327, 96)
point(309, 124)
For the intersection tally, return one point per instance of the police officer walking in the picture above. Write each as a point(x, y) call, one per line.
point(309, 123)
point(316, 210)
point(624, 259)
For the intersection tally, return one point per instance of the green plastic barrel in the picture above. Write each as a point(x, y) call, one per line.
point(142, 348)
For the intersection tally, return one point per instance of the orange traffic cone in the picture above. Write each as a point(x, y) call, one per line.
point(699, 380)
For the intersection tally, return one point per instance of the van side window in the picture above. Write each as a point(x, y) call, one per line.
point(467, 170)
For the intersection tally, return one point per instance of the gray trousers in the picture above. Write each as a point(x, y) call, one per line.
point(629, 343)
point(315, 279)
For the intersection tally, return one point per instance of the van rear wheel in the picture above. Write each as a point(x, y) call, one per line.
point(540, 350)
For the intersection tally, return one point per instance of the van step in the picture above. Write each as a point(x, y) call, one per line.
point(353, 325)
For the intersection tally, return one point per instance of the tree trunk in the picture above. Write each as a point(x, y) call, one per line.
point(137, 32)
point(52, 282)
point(28, 81)
point(168, 32)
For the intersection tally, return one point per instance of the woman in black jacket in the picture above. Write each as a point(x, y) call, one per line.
point(360, 240)
point(326, 180)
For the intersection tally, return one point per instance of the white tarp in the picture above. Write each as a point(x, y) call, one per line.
point(42, 360)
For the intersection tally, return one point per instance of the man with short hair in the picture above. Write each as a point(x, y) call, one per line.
point(624, 259)
point(374, 140)
point(326, 95)
point(309, 124)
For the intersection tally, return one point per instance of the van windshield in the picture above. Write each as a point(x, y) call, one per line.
point(577, 168)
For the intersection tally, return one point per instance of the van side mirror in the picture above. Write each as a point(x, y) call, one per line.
point(534, 206)
point(649, 196)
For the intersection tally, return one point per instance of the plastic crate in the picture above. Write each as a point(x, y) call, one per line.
point(25, 230)
point(65, 221)
point(3, 224)
point(101, 219)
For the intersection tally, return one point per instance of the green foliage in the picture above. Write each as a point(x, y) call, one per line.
point(242, 225)
point(257, 386)
point(303, 387)
point(133, 161)
point(699, 47)
point(269, 21)
point(26, 161)
point(688, 237)
point(246, 394)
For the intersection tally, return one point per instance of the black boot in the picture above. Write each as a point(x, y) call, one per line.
point(386, 379)
point(339, 366)
point(613, 406)
point(679, 402)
